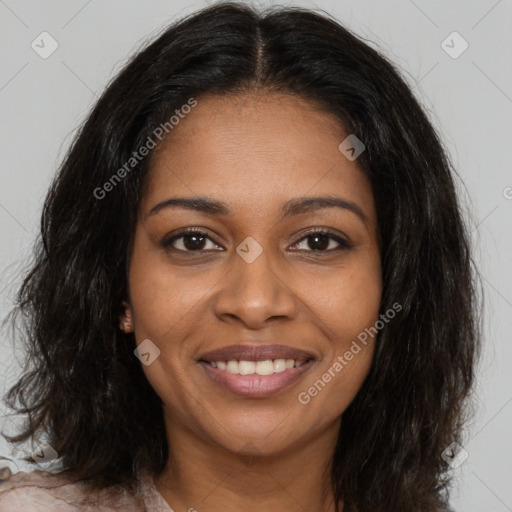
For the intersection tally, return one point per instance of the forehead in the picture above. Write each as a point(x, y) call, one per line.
point(255, 151)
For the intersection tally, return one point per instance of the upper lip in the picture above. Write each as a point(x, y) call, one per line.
point(255, 353)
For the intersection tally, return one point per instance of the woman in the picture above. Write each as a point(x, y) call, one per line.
point(253, 289)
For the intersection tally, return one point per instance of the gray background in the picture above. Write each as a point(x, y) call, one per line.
point(469, 99)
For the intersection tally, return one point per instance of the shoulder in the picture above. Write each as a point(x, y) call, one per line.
point(40, 491)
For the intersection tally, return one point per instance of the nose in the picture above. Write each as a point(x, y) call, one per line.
point(255, 293)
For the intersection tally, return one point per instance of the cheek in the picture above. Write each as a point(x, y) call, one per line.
point(347, 308)
point(166, 305)
point(165, 300)
point(347, 302)
point(333, 389)
point(346, 320)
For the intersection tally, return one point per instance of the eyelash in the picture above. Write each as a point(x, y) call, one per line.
point(343, 244)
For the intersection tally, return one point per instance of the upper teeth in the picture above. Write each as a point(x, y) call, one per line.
point(267, 367)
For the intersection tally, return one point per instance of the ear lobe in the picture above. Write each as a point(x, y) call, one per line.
point(125, 319)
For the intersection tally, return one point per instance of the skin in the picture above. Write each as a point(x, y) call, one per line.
point(253, 152)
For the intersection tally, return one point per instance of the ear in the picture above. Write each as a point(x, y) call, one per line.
point(125, 319)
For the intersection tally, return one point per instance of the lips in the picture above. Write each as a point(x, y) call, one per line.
point(256, 371)
point(256, 353)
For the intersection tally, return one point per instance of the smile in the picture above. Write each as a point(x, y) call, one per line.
point(256, 371)
point(267, 367)
point(252, 379)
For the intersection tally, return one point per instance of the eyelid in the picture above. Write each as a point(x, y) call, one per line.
point(343, 243)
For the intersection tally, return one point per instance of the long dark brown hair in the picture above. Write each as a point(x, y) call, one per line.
point(83, 386)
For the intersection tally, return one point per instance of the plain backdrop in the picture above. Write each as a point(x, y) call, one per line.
point(468, 97)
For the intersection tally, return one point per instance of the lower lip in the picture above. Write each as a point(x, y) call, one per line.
point(256, 386)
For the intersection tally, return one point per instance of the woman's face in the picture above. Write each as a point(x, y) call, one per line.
point(257, 285)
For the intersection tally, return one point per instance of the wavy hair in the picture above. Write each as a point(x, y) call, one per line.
point(83, 386)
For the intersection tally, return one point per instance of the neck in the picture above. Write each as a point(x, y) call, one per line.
point(203, 475)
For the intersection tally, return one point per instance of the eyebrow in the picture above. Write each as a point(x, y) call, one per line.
point(289, 208)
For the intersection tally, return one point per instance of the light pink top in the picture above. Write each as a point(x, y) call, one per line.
point(41, 491)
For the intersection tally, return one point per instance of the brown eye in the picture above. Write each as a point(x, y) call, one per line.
point(321, 241)
point(189, 241)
